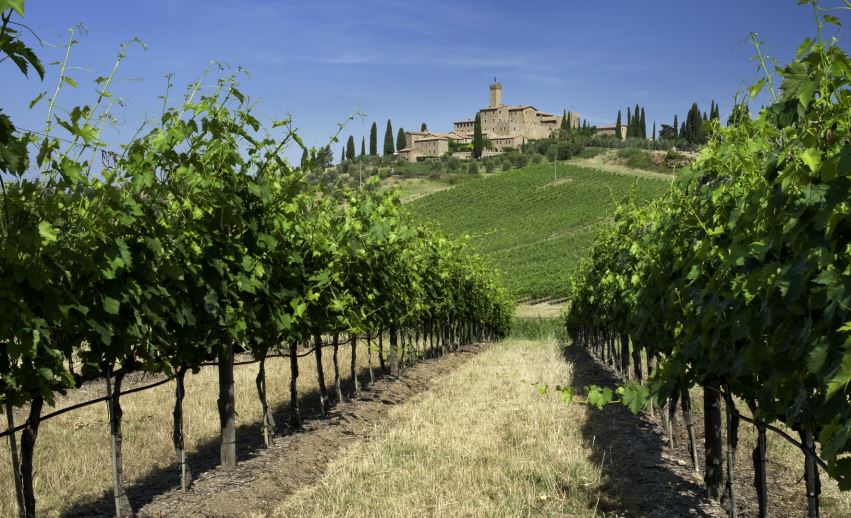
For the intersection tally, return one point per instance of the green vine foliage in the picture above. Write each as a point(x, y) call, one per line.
point(199, 236)
point(741, 275)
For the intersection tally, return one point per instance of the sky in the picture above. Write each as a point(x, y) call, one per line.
point(322, 61)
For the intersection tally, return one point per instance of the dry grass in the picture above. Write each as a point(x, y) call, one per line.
point(481, 442)
point(72, 459)
point(540, 310)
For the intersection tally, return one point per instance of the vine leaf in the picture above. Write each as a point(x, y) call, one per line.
point(47, 232)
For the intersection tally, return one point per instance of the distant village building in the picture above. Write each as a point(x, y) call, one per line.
point(611, 130)
point(504, 126)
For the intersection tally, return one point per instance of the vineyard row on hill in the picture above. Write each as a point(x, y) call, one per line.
point(534, 223)
point(739, 280)
point(196, 242)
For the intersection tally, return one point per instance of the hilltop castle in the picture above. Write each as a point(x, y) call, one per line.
point(505, 126)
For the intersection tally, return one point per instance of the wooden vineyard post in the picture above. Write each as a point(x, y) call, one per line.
point(672, 415)
point(337, 383)
point(732, 444)
point(624, 364)
point(760, 480)
point(713, 475)
point(685, 401)
point(811, 475)
point(381, 366)
point(16, 470)
point(651, 366)
point(320, 374)
point(394, 352)
point(268, 424)
point(28, 438)
point(113, 402)
point(177, 432)
point(295, 413)
point(354, 365)
point(369, 357)
point(636, 363)
point(227, 408)
point(403, 356)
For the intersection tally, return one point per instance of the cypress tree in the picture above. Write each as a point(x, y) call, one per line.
point(342, 155)
point(564, 120)
point(362, 146)
point(636, 121)
point(478, 138)
point(694, 120)
point(400, 139)
point(350, 148)
point(388, 139)
point(676, 128)
point(643, 125)
point(654, 130)
point(628, 122)
point(618, 125)
point(696, 130)
point(304, 158)
point(686, 133)
point(423, 127)
point(373, 140)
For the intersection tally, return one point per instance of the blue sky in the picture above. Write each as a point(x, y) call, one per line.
point(415, 62)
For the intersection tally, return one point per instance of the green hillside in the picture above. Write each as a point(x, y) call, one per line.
point(531, 226)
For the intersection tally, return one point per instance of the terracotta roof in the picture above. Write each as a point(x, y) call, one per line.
point(521, 107)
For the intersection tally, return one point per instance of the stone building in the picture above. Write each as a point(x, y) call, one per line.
point(611, 130)
point(505, 126)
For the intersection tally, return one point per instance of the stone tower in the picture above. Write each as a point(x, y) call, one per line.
point(496, 94)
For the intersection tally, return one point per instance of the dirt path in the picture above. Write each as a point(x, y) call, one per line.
point(294, 461)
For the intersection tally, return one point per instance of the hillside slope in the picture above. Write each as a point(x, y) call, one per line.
point(531, 226)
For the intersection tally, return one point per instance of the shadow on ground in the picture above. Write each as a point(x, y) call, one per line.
point(640, 480)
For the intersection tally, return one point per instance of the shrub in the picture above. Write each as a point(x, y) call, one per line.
point(590, 152)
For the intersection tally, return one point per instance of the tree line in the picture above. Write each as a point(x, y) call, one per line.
point(390, 147)
point(691, 130)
